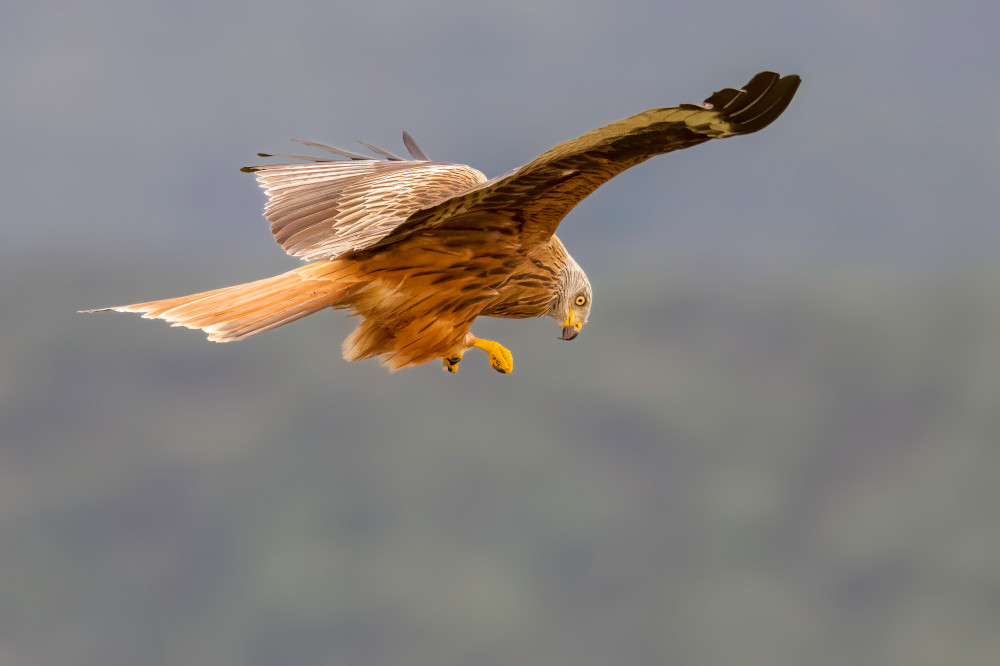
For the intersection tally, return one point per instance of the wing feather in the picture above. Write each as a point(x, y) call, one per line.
point(414, 148)
point(537, 196)
point(326, 208)
point(382, 151)
point(331, 149)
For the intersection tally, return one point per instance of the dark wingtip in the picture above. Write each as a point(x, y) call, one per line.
point(758, 103)
point(771, 103)
point(249, 169)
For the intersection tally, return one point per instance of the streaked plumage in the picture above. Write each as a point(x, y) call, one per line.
point(418, 249)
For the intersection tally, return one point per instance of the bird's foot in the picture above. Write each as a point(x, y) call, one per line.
point(500, 357)
point(450, 363)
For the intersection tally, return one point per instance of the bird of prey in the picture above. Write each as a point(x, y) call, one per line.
point(418, 249)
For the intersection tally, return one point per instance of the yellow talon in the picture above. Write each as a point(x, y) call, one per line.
point(450, 363)
point(500, 357)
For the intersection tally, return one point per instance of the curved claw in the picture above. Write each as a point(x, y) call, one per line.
point(451, 363)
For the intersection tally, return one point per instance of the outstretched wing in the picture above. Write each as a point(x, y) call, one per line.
point(534, 198)
point(332, 206)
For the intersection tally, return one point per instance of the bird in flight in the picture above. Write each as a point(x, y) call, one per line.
point(418, 249)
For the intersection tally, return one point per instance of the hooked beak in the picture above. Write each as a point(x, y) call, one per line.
point(571, 327)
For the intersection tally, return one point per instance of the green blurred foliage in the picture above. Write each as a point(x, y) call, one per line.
point(741, 466)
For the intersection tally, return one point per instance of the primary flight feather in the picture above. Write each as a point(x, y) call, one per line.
point(419, 249)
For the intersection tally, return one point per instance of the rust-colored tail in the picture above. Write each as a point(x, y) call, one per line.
point(236, 312)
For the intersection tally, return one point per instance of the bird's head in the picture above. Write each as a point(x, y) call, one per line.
point(571, 307)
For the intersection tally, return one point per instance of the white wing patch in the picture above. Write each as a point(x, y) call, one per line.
point(325, 209)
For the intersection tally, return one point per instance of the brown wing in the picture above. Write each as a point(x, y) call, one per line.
point(330, 207)
point(533, 199)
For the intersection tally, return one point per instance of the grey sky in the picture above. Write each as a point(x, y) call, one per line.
point(125, 122)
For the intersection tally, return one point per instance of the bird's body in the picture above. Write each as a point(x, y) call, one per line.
point(419, 249)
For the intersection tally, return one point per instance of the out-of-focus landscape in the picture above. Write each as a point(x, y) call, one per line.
point(776, 441)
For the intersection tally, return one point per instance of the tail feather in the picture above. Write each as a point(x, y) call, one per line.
point(233, 313)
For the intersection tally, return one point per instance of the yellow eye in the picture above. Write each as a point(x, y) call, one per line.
point(581, 300)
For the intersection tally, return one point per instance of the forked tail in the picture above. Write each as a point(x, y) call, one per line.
point(233, 313)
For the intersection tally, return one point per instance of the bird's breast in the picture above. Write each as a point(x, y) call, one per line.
point(526, 293)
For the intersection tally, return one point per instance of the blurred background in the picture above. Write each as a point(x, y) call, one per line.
point(775, 443)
